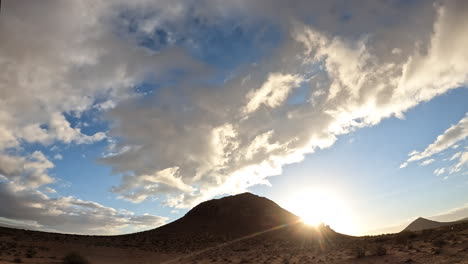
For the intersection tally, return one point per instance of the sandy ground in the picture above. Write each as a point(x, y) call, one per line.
point(443, 245)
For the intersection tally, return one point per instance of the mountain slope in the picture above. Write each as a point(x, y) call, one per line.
point(423, 224)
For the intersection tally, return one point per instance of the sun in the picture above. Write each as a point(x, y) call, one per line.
point(318, 205)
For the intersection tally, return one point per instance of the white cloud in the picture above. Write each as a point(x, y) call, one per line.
point(462, 162)
point(456, 155)
point(164, 181)
point(449, 138)
point(61, 59)
point(445, 142)
point(453, 214)
point(52, 66)
point(28, 172)
point(439, 171)
point(427, 162)
point(50, 190)
point(34, 209)
point(273, 92)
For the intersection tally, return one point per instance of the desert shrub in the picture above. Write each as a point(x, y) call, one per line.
point(438, 242)
point(436, 251)
point(427, 231)
point(380, 251)
point(74, 258)
point(359, 252)
point(17, 260)
point(404, 237)
point(381, 239)
point(30, 253)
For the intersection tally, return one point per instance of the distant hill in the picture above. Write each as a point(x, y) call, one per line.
point(423, 224)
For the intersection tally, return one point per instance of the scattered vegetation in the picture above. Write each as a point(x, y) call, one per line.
point(380, 251)
point(17, 260)
point(436, 251)
point(404, 237)
point(439, 242)
point(30, 253)
point(359, 252)
point(74, 258)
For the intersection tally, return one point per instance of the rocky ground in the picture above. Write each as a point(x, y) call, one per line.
point(292, 244)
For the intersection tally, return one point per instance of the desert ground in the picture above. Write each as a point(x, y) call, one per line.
point(443, 245)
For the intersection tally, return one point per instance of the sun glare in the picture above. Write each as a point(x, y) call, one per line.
point(316, 206)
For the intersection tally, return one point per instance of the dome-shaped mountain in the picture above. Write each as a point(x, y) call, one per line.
point(224, 220)
point(235, 215)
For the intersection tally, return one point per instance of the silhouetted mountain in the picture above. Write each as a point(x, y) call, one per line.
point(423, 224)
point(227, 219)
point(231, 216)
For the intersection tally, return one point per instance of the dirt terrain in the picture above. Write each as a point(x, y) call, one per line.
point(239, 229)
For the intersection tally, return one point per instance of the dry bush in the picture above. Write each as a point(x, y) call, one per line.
point(380, 251)
point(30, 253)
point(439, 242)
point(359, 252)
point(404, 237)
point(74, 258)
point(436, 251)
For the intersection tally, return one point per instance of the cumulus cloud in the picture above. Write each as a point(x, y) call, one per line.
point(356, 82)
point(60, 60)
point(34, 209)
point(28, 172)
point(55, 64)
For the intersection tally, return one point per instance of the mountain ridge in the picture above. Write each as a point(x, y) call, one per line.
point(422, 223)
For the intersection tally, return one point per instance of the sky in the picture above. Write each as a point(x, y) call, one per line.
point(119, 116)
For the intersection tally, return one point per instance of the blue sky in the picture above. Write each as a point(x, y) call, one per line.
point(335, 112)
point(365, 165)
